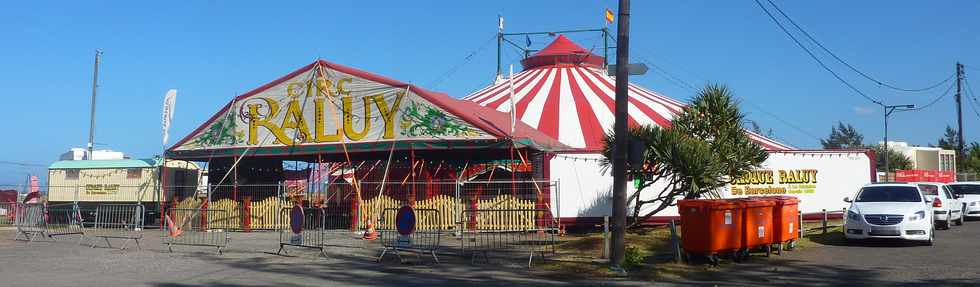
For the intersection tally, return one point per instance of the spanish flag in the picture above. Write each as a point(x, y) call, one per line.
point(610, 16)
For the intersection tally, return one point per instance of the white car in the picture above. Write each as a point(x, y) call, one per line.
point(889, 210)
point(946, 206)
point(969, 193)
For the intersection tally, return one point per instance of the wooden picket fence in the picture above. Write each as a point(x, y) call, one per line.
point(445, 204)
point(491, 217)
point(263, 214)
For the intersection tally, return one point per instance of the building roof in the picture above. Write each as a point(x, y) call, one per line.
point(491, 129)
point(109, 163)
point(570, 98)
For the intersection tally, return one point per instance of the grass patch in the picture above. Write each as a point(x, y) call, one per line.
point(815, 236)
point(580, 256)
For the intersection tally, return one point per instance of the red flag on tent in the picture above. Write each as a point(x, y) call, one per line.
point(610, 16)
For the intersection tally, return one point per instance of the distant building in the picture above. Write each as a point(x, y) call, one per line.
point(79, 154)
point(926, 158)
point(129, 181)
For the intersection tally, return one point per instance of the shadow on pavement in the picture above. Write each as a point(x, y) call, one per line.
point(836, 238)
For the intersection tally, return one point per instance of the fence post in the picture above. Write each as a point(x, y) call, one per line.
point(675, 241)
point(801, 224)
point(843, 217)
point(605, 237)
point(824, 221)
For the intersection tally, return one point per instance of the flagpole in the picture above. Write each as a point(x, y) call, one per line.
point(513, 114)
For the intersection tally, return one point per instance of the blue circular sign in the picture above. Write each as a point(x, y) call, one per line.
point(405, 220)
point(296, 219)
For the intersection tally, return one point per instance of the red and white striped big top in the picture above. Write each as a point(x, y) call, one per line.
point(565, 93)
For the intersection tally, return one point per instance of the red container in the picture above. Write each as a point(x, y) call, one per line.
point(757, 222)
point(710, 226)
point(785, 218)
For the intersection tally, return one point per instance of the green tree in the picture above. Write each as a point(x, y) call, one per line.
point(971, 158)
point(896, 160)
point(950, 139)
point(704, 149)
point(754, 126)
point(843, 137)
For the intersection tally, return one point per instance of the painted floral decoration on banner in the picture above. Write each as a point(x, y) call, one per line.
point(422, 120)
point(222, 132)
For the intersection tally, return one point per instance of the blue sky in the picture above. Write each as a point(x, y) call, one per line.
point(213, 50)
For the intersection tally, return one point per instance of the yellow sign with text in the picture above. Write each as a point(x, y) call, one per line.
point(779, 182)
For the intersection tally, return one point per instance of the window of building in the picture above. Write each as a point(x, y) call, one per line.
point(71, 174)
point(134, 172)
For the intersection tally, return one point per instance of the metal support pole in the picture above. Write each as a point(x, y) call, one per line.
point(619, 149)
point(675, 241)
point(824, 221)
point(886, 143)
point(605, 237)
point(605, 47)
point(888, 111)
point(95, 85)
point(500, 39)
point(801, 224)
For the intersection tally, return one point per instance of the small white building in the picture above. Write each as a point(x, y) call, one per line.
point(79, 154)
point(926, 158)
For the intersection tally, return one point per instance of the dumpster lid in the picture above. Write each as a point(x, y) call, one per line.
point(707, 203)
point(785, 199)
point(756, 202)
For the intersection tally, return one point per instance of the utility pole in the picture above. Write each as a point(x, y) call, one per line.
point(95, 85)
point(888, 111)
point(959, 112)
point(619, 149)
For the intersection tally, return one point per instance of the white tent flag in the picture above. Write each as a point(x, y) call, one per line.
point(168, 112)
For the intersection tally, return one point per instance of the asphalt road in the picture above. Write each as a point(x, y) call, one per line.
point(953, 261)
point(251, 261)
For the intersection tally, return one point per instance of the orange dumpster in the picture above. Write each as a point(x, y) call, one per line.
point(710, 227)
point(785, 217)
point(757, 225)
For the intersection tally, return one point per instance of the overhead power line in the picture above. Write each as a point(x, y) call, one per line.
point(975, 103)
point(21, 163)
point(933, 102)
point(815, 58)
point(435, 83)
point(849, 66)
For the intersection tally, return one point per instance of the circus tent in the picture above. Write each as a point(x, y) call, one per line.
point(565, 93)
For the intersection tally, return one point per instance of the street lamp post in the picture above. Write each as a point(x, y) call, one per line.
point(888, 111)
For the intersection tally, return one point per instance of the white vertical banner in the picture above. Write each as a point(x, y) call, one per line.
point(168, 113)
point(500, 23)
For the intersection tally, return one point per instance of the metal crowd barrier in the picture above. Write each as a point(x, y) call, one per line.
point(29, 220)
point(508, 230)
point(192, 227)
point(425, 239)
point(305, 229)
point(64, 219)
point(8, 211)
point(117, 221)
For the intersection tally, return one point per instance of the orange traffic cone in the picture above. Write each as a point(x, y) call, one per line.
point(370, 233)
point(173, 229)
